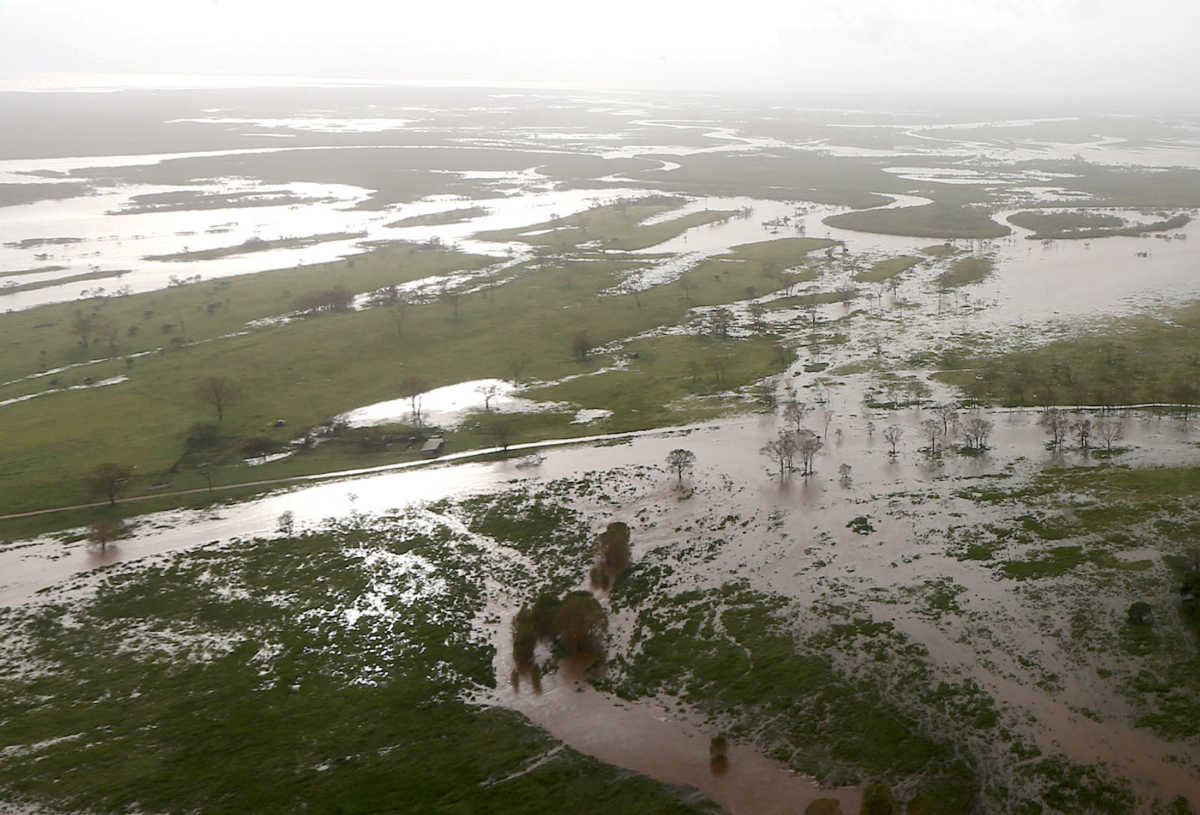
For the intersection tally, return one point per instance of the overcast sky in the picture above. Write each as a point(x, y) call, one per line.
point(1113, 48)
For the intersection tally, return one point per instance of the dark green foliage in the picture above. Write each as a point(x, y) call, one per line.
point(580, 622)
point(878, 800)
point(1140, 613)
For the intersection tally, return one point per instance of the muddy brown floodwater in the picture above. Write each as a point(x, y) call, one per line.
point(668, 743)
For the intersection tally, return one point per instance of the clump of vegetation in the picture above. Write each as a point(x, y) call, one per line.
point(718, 759)
point(966, 271)
point(886, 269)
point(878, 800)
point(861, 525)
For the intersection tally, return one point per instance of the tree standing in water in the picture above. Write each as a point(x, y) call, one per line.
point(681, 461)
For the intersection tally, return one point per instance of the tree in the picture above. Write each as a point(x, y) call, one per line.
point(580, 623)
point(524, 638)
point(286, 523)
point(545, 607)
point(411, 388)
point(1184, 395)
point(109, 479)
point(719, 321)
point(257, 447)
point(794, 413)
point(500, 429)
point(104, 530)
point(1109, 431)
point(933, 430)
point(948, 413)
point(219, 393)
point(488, 392)
point(757, 312)
point(581, 346)
point(781, 451)
point(976, 430)
point(1055, 422)
point(515, 366)
point(1082, 430)
point(878, 800)
point(808, 444)
point(1140, 613)
point(82, 327)
point(681, 461)
point(844, 474)
point(892, 434)
point(612, 547)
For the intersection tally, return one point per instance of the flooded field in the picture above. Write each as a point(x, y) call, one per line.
point(936, 600)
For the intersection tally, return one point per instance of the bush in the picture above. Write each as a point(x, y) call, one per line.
point(524, 638)
point(878, 800)
point(1140, 613)
point(542, 615)
point(580, 623)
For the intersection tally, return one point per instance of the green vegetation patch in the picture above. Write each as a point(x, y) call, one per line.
point(965, 271)
point(257, 245)
point(936, 220)
point(307, 370)
point(449, 216)
point(1127, 361)
point(612, 226)
point(323, 673)
point(1078, 225)
point(886, 269)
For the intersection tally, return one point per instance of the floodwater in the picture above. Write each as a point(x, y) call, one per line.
point(811, 550)
point(731, 477)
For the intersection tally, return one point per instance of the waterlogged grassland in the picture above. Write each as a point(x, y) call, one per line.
point(307, 370)
point(832, 685)
point(1080, 225)
point(1086, 544)
point(325, 672)
point(59, 281)
point(936, 220)
point(965, 271)
point(256, 245)
point(615, 226)
point(450, 216)
point(667, 370)
point(886, 269)
point(1127, 361)
point(204, 310)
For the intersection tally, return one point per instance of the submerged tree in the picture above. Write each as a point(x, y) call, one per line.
point(1082, 430)
point(104, 530)
point(808, 444)
point(612, 547)
point(681, 461)
point(934, 431)
point(781, 451)
point(794, 413)
point(976, 430)
point(892, 434)
point(1109, 431)
point(580, 623)
point(524, 638)
point(1055, 422)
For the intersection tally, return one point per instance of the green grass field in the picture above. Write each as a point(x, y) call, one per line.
point(1129, 361)
point(886, 269)
point(308, 370)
